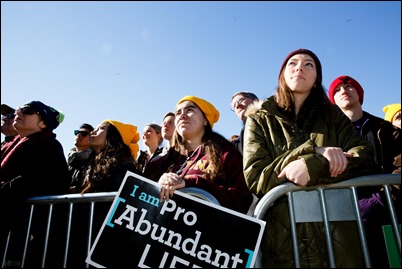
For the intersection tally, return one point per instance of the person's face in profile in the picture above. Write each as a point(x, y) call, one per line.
point(97, 138)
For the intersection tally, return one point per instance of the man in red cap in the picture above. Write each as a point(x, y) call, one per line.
point(348, 95)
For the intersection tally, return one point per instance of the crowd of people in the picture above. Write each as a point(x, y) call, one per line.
point(302, 134)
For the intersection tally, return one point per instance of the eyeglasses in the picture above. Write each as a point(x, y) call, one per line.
point(236, 103)
point(9, 116)
point(83, 133)
point(27, 110)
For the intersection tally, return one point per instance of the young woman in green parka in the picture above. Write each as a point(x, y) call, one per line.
point(299, 136)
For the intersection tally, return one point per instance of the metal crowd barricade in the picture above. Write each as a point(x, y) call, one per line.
point(70, 200)
point(329, 202)
point(306, 204)
point(200, 193)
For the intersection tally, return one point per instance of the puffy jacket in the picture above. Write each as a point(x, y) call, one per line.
point(272, 139)
point(385, 138)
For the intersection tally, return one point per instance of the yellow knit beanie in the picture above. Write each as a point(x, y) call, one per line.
point(129, 134)
point(211, 113)
point(390, 111)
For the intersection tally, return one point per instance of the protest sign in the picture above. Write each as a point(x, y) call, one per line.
point(186, 231)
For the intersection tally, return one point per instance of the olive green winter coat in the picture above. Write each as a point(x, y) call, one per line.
point(272, 139)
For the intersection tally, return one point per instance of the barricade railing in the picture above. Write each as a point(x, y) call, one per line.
point(70, 200)
point(200, 193)
point(306, 204)
point(327, 203)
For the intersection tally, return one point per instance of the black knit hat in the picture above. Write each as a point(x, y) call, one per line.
point(310, 53)
point(51, 116)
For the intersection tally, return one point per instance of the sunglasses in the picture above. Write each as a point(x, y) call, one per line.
point(27, 110)
point(83, 133)
point(9, 116)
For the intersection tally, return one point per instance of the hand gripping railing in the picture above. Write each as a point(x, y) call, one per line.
point(317, 203)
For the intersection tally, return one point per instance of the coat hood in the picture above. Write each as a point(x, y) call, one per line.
point(253, 107)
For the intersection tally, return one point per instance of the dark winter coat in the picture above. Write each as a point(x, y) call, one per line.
point(386, 140)
point(31, 166)
point(77, 164)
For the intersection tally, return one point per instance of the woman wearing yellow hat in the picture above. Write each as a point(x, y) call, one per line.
point(114, 150)
point(115, 146)
point(202, 158)
point(393, 114)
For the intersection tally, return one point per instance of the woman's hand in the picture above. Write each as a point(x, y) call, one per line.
point(170, 182)
point(336, 157)
point(296, 171)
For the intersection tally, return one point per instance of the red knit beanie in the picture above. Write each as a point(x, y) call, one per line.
point(312, 55)
point(345, 80)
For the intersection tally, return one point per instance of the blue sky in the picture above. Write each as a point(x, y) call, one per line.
point(132, 61)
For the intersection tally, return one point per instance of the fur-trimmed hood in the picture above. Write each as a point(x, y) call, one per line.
point(253, 107)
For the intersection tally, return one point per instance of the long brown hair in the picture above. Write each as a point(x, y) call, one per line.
point(114, 152)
